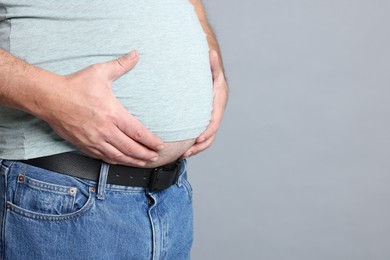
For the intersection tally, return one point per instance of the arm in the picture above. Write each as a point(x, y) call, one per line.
point(211, 38)
point(220, 86)
point(81, 107)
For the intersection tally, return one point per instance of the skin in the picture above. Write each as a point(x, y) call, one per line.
point(220, 86)
point(95, 121)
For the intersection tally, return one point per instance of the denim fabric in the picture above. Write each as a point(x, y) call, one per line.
point(47, 215)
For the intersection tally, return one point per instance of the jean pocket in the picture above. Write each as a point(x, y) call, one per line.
point(48, 201)
point(43, 197)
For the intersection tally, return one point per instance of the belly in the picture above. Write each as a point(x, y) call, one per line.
point(171, 152)
point(170, 89)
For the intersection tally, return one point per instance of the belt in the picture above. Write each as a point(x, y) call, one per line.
point(76, 165)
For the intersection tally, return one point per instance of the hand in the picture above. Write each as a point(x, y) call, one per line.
point(88, 115)
point(220, 94)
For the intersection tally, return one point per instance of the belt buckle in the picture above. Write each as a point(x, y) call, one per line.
point(161, 178)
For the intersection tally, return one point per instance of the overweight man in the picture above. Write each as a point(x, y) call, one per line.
point(101, 103)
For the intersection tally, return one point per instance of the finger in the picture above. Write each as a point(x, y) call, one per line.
point(215, 65)
point(131, 148)
point(219, 98)
point(211, 130)
point(216, 119)
point(111, 155)
point(136, 131)
point(121, 65)
point(199, 147)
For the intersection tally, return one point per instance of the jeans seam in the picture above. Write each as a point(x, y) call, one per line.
point(4, 209)
point(187, 187)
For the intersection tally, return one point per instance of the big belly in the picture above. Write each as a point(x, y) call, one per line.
point(169, 90)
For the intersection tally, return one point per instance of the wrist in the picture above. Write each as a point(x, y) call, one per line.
point(26, 87)
point(48, 91)
point(40, 91)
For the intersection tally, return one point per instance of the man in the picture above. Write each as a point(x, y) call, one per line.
point(63, 104)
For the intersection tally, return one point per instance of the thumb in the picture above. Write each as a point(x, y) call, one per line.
point(215, 65)
point(121, 65)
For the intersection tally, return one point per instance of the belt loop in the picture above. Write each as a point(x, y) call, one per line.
point(101, 190)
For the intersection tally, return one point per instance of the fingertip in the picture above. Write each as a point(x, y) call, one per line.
point(154, 159)
point(141, 163)
point(133, 54)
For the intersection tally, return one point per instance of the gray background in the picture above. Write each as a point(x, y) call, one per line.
point(300, 169)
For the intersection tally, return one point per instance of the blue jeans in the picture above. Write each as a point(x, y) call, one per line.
point(47, 215)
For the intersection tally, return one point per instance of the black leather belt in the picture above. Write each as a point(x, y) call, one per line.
point(80, 166)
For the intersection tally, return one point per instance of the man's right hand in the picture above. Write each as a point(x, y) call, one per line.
point(88, 115)
point(81, 108)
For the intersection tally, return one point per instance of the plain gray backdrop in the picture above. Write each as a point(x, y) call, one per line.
point(300, 168)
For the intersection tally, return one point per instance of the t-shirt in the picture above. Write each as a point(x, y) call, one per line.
point(169, 90)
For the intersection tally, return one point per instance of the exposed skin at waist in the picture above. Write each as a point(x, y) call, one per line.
point(171, 152)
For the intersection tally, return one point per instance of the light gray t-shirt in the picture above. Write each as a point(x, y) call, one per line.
point(169, 90)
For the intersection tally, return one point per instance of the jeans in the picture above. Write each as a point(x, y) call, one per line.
point(48, 215)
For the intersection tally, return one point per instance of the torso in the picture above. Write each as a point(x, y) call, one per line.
point(169, 91)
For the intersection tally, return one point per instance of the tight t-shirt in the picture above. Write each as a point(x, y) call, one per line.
point(169, 90)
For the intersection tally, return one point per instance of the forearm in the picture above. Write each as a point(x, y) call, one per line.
point(24, 86)
point(211, 38)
